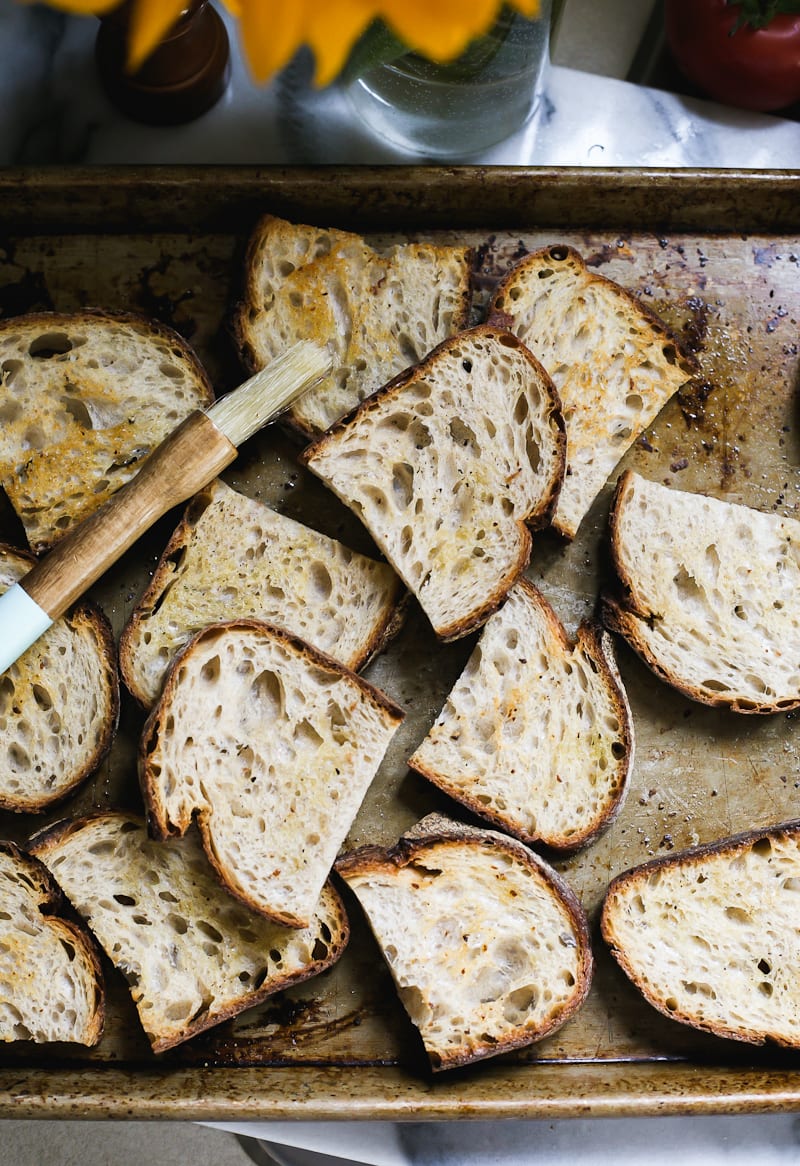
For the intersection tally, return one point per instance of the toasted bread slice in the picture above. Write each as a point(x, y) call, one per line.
point(612, 360)
point(448, 466)
point(710, 936)
point(272, 746)
point(51, 983)
point(192, 955)
point(377, 311)
point(276, 570)
point(536, 736)
point(708, 595)
point(59, 703)
point(488, 946)
point(85, 398)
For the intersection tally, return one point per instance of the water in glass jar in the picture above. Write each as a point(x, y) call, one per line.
point(463, 107)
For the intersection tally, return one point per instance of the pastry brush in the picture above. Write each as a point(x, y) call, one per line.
point(186, 461)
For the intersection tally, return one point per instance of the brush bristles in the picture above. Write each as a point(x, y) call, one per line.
point(243, 412)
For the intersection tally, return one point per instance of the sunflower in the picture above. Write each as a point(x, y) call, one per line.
point(273, 30)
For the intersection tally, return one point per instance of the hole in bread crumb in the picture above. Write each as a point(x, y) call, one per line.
point(738, 915)
point(42, 697)
point(519, 1002)
point(462, 434)
point(171, 371)
point(209, 930)
point(178, 923)
point(210, 671)
point(50, 344)
point(403, 484)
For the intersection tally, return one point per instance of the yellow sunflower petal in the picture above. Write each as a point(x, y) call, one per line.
point(85, 7)
point(151, 20)
point(271, 34)
point(332, 32)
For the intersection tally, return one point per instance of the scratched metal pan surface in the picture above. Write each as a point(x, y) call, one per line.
point(719, 259)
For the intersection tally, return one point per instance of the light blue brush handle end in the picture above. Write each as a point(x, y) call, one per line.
point(22, 621)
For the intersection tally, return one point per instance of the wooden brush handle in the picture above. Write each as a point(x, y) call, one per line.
point(187, 460)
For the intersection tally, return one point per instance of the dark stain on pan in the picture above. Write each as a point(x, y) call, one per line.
point(162, 304)
point(694, 331)
point(275, 1032)
point(29, 293)
point(608, 251)
point(692, 400)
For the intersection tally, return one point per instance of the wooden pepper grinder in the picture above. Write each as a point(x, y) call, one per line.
point(184, 76)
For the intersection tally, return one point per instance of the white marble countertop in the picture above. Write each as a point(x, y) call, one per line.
point(52, 111)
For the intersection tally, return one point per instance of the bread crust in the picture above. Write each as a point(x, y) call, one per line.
point(51, 904)
point(537, 518)
point(721, 850)
point(163, 825)
point(436, 831)
point(603, 420)
point(48, 841)
point(85, 620)
point(595, 643)
point(245, 313)
point(381, 633)
point(624, 612)
point(84, 459)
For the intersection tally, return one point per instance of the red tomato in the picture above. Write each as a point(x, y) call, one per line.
point(754, 68)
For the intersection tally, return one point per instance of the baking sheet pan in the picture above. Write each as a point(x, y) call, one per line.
point(718, 256)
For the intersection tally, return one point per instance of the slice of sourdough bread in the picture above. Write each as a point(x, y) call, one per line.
point(85, 398)
point(710, 936)
point(377, 311)
point(272, 746)
point(448, 466)
point(192, 956)
point(275, 569)
point(487, 944)
point(536, 736)
point(59, 703)
point(708, 595)
point(51, 984)
point(613, 362)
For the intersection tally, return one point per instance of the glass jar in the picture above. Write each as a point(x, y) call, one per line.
point(463, 107)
